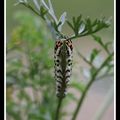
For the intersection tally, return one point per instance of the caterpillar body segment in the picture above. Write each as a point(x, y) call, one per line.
point(63, 54)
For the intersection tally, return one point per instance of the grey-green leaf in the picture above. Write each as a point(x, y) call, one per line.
point(45, 5)
point(82, 28)
point(51, 7)
point(62, 20)
point(50, 10)
point(36, 4)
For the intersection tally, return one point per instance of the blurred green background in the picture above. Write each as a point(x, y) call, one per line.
point(31, 90)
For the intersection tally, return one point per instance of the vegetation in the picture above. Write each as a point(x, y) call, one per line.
point(30, 63)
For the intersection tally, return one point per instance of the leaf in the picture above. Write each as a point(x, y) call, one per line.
point(108, 22)
point(50, 10)
point(45, 5)
point(36, 4)
point(78, 19)
point(82, 28)
point(88, 21)
point(89, 25)
point(62, 20)
point(51, 7)
point(98, 39)
point(43, 12)
point(104, 45)
point(94, 53)
point(70, 25)
point(77, 26)
point(95, 22)
point(74, 21)
point(51, 27)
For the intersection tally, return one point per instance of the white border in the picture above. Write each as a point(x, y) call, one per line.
point(4, 59)
point(114, 59)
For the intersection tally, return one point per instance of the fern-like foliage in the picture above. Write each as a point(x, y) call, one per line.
point(81, 27)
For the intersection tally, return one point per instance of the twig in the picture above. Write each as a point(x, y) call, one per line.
point(58, 108)
point(88, 86)
point(82, 35)
point(88, 62)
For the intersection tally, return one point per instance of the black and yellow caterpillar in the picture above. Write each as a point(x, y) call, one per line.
point(63, 54)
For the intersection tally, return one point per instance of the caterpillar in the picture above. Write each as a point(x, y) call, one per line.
point(63, 65)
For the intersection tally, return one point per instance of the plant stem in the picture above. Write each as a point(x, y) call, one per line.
point(82, 98)
point(82, 35)
point(84, 59)
point(89, 85)
point(58, 108)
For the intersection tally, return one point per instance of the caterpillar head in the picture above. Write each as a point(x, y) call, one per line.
point(63, 46)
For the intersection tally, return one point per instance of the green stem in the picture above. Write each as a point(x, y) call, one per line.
point(84, 59)
point(58, 108)
point(89, 85)
point(82, 98)
point(85, 34)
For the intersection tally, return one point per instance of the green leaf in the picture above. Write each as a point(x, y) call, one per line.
point(94, 22)
point(70, 25)
point(94, 53)
point(43, 12)
point(36, 4)
point(79, 19)
point(104, 45)
point(98, 39)
point(74, 21)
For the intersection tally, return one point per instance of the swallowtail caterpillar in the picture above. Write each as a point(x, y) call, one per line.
point(63, 54)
